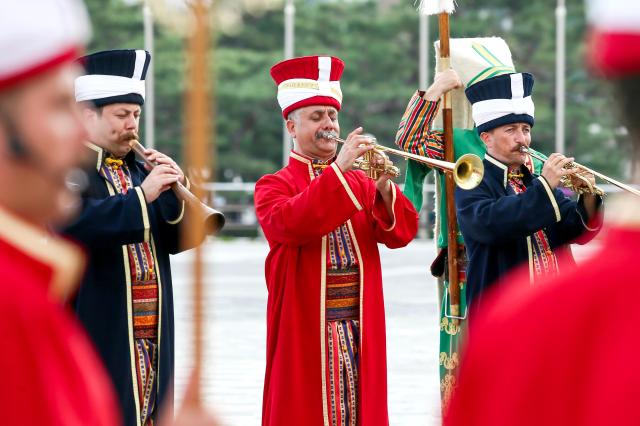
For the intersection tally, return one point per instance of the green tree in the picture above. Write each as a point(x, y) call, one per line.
point(380, 49)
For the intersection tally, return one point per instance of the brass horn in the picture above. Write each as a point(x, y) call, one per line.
point(213, 219)
point(593, 189)
point(467, 171)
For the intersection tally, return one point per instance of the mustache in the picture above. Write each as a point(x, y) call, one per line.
point(126, 137)
point(326, 135)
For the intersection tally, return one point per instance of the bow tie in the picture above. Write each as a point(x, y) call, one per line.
point(115, 162)
point(514, 175)
point(320, 164)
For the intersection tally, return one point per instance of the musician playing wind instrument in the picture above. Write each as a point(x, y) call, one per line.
point(420, 132)
point(565, 368)
point(326, 356)
point(494, 241)
point(129, 224)
point(514, 216)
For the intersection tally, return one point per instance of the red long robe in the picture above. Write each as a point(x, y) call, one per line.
point(50, 373)
point(564, 352)
point(296, 212)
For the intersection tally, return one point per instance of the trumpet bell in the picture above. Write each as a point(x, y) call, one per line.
point(468, 171)
point(214, 221)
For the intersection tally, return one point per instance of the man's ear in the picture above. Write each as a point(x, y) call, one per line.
point(291, 128)
point(88, 114)
point(487, 138)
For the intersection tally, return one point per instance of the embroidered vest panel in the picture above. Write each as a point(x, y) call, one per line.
point(343, 271)
point(544, 259)
point(144, 283)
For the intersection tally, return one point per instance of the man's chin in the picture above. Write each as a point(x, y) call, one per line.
point(123, 150)
point(328, 153)
point(57, 208)
point(328, 145)
point(522, 157)
point(67, 208)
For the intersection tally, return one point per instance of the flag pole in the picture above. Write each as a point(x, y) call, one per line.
point(289, 42)
point(198, 133)
point(450, 323)
point(447, 121)
point(443, 8)
point(150, 103)
point(561, 17)
point(423, 65)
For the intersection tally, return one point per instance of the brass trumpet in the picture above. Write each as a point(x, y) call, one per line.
point(467, 171)
point(213, 219)
point(593, 189)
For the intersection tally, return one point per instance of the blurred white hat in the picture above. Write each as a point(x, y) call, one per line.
point(38, 35)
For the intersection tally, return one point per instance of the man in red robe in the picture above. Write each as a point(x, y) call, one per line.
point(50, 373)
point(326, 355)
point(572, 354)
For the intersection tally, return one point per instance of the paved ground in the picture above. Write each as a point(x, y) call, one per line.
point(236, 304)
point(235, 309)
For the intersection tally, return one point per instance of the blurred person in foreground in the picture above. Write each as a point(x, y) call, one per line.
point(575, 361)
point(326, 355)
point(50, 371)
point(130, 223)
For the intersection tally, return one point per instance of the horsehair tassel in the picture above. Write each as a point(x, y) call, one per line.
point(434, 7)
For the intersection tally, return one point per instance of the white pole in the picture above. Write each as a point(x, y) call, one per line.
point(561, 16)
point(424, 51)
point(289, 37)
point(149, 103)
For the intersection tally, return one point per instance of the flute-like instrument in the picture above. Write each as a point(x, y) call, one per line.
point(213, 219)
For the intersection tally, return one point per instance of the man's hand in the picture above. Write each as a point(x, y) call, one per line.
point(159, 158)
point(354, 147)
point(443, 82)
point(382, 183)
point(589, 199)
point(582, 180)
point(554, 169)
point(159, 180)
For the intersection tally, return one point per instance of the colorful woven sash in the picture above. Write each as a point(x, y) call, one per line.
point(343, 295)
point(544, 259)
point(144, 284)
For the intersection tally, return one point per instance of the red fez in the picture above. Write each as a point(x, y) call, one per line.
point(614, 37)
point(308, 80)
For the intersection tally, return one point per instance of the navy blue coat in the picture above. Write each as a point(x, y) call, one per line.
point(106, 224)
point(497, 223)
